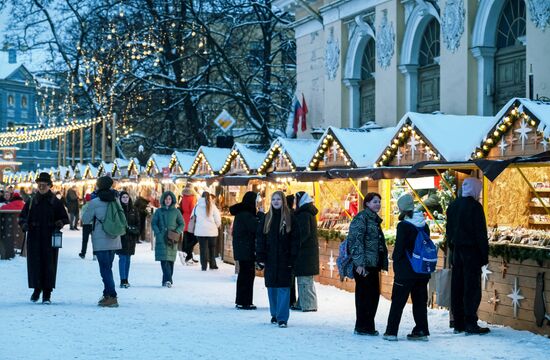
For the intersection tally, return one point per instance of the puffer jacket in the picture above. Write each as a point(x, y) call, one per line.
point(95, 214)
point(307, 260)
point(206, 225)
point(166, 218)
point(367, 244)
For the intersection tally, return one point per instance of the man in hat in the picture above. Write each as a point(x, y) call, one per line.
point(468, 240)
point(104, 245)
point(40, 217)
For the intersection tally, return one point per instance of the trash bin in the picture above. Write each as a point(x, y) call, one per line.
point(11, 236)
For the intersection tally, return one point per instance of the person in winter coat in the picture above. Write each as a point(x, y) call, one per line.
point(40, 217)
point(72, 204)
point(187, 204)
point(245, 225)
point(86, 228)
point(207, 222)
point(276, 250)
point(290, 200)
point(307, 260)
point(16, 202)
point(406, 280)
point(367, 248)
point(128, 241)
point(468, 240)
point(166, 218)
point(104, 245)
point(141, 205)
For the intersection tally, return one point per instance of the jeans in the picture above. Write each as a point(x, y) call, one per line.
point(208, 250)
point(279, 298)
point(124, 266)
point(86, 232)
point(245, 283)
point(307, 297)
point(105, 260)
point(167, 270)
point(418, 289)
point(367, 296)
point(465, 287)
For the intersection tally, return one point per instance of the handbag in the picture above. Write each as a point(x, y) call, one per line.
point(172, 237)
point(132, 230)
point(192, 221)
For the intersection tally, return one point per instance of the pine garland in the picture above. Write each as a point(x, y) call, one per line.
point(518, 253)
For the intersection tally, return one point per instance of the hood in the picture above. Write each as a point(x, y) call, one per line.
point(247, 204)
point(188, 191)
point(303, 198)
point(309, 208)
point(107, 195)
point(130, 204)
point(15, 196)
point(164, 195)
point(471, 187)
point(417, 219)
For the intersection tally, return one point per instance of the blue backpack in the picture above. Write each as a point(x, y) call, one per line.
point(424, 256)
point(344, 261)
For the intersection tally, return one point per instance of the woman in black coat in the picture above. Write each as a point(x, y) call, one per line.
point(307, 260)
point(406, 280)
point(276, 248)
point(245, 225)
point(40, 217)
point(128, 241)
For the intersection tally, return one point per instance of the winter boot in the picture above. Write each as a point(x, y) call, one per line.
point(108, 301)
point(46, 296)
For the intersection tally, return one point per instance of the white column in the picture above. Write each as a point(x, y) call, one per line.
point(411, 86)
point(485, 56)
point(354, 101)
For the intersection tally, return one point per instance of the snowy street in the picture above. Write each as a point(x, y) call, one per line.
point(196, 318)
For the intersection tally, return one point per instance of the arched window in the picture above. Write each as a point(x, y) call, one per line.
point(11, 100)
point(428, 69)
point(368, 67)
point(510, 63)
point(24, 102)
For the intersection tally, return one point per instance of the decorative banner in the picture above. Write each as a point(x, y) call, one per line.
point(225, 121)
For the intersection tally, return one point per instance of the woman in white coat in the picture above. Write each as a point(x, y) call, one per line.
point(207, 222)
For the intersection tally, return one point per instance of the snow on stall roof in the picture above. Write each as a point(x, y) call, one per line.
point(121, 163)
point(215, 156)
point(364, 145)
point(467, 131)
point(185, 159)
point(253, 154)
point(93, 170)
point(539, 109)
point(300, 151)
point(107, 167)
point(161, 161)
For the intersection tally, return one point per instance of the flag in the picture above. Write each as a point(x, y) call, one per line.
point(297, 115)
point(292, 124)
point(304, 113)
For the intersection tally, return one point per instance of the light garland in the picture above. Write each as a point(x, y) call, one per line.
point(275, 150)
point(327, 142)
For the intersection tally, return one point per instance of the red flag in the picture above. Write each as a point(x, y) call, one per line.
point(297, 114)
point(304, 112)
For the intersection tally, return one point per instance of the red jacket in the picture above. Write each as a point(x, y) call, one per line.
point(16, 204)
point(187, 204)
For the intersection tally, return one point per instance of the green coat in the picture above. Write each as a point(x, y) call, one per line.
point(164, 219)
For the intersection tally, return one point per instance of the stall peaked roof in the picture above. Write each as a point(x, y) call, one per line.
point(159, 161)
point(184, 159)
point(252, 154)
point(215, 157)
point(537, 109)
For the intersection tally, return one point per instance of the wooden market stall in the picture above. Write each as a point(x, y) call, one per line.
point(180, 164)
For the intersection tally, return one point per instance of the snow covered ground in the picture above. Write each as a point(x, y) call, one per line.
point(197, 319)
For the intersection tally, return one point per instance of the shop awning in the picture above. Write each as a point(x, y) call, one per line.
point(493, 168)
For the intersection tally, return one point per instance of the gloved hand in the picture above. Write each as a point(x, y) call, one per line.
point(260, 265)
point(59, 224)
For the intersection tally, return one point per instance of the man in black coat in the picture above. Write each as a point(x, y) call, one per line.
point(40, 217)
point(72, 204)
point(306, 265)
point(245, 225)
point(468, 240)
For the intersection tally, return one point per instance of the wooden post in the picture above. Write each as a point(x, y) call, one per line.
point(81, 145)
point(113, 139)
point(103, 138)
point(64, 149)
point(73, 141)
point(93, 143)
point(59, 151)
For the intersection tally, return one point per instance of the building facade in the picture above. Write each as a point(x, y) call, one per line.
point(363, 60)
point(18, 108)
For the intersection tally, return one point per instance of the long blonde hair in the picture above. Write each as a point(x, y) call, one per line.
point(206, 196)
point(285, 215)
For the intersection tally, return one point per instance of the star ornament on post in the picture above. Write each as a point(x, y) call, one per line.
point(485, 271)
point(516, 297)
point(494, 300)
point(331, 263)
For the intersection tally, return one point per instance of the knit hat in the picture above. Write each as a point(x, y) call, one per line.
point(303, 198)
point(104, 183)
point(44, 177)
point(88, 197)
point(471, 187)
point(405, 203)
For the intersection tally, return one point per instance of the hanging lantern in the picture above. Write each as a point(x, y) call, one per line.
point(57, 239)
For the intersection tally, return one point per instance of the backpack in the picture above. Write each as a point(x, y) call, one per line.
point(114, 223)
point(344, 261)
point(424, 256)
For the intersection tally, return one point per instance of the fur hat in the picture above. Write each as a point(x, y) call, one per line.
point(44, 177)
point(104, 183)
point(405, 203)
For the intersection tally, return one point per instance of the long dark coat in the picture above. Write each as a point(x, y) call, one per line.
point(71, 201)
point(128, 241)
point(278, 251)
point(307, 260)
point(245, 225)
point(40, 215)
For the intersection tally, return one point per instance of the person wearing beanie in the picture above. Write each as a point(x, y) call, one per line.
point(40, 218)
point(104, 245)
point(406, 281)
point(467, 239)
point(306, 265)
point(245, 225)
point(187, 204)
point(86, 228)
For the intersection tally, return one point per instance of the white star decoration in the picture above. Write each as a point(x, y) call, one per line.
point(516, 297)
point(398, 156)
point(485, 271)
point(523, 131)
point(502, 147)
point(412, 143)
point(331, 263)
